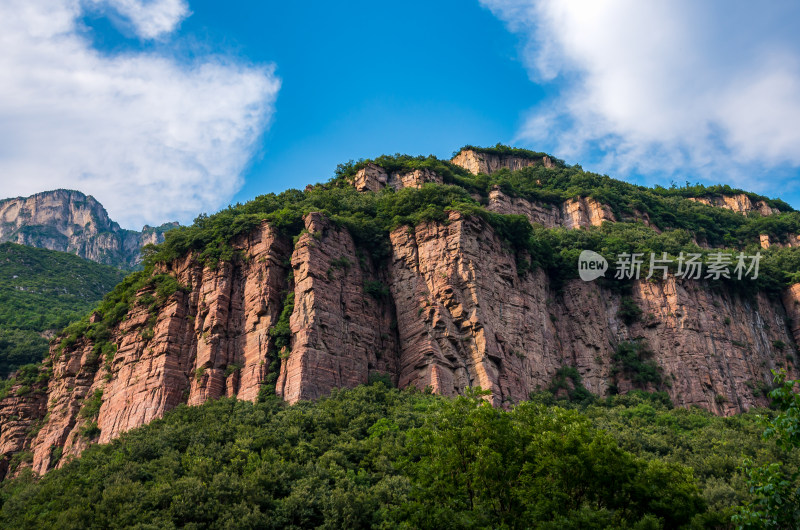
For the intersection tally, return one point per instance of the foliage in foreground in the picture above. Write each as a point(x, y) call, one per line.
point(374, 457)
point(776, 486)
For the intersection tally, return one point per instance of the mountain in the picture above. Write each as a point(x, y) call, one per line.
point(70, 221)
point(438, 275)
point(41, 291)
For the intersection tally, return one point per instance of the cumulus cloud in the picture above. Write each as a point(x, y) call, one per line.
point(696, 89)
point(152, 138)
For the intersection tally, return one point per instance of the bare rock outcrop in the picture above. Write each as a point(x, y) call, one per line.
point(341, 333)
point(791, 301)
point(585, 211)
point(21, 413)
point(739, 203)
point(573, 213)
point(463, 319)
point(472, 321)
point(548, 215)
point(790, 241)
point(375, 178)
point(371, 178)
point(477, 162)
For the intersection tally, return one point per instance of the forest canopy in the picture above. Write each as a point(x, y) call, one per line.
point(379, 457)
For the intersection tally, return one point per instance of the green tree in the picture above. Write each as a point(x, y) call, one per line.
point(775, 487)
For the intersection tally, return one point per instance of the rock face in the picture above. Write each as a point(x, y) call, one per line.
point(341, 333)
point(482, 162)
point(70, 221)
point(791, 301)
point(740, 203)
point(447, 310)
point(375, 178)
point(466, 320)
point(574, 213)
point(791, 240)
point(205, 342)
point(19, 417)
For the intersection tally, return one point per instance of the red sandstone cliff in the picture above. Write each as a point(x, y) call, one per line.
point(447, 310)
point(573, 213)
point(375, 178)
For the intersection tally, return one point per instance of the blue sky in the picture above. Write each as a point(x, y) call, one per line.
point(360, 79)
point(163, 109)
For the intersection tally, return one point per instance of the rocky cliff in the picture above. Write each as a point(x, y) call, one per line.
point(448, 308)
point(743, 204)
point(789, 241)
point(70, 221)
point(487, 162)
point(375, 178)
point(739, 203)
point(573, 213)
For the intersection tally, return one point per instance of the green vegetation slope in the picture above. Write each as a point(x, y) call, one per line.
point(41, 291)
point(375, 457)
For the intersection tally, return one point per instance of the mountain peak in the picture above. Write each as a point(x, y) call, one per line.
point(71, 221)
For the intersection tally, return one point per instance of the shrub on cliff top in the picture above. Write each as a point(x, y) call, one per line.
point(504, 150)
point(370, 216)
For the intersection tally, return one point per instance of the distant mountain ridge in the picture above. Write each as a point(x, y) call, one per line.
point(70, 221)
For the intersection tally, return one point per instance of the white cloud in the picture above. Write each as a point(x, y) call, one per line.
point(149, 18)
point(696, 89)
point(151, 138)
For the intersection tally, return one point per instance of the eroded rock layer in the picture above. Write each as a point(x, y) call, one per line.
point(447, 309)
point(573, 213)
point(482, 162)
point(343, 326)
point(739, 203)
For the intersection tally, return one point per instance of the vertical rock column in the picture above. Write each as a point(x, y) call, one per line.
point(341, 333)
point(264, 283)
point(449, 282)
point(791, 301)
